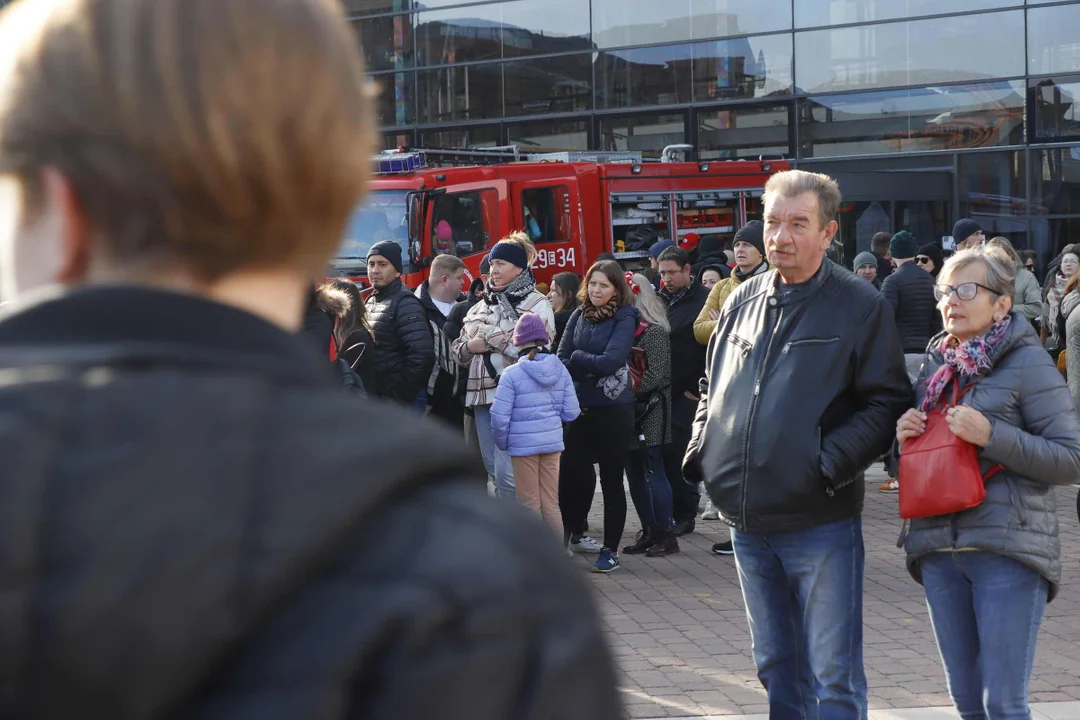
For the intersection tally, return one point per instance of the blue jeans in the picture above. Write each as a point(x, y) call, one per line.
point(649, 488)
point(803, 592)
point(986, 610)
point(496, 461)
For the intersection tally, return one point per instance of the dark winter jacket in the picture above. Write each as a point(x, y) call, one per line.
point(803, 389)
point(910, 292)
point(442, 386)
point(561, 318)
point(455, 321)
point(884, 268)
point(687, 354)
point(655, 389)
point(404, 349)
point(1036, 437)
point(594, 351)
point(317, 330)
point(225, 534)
point(718, 260)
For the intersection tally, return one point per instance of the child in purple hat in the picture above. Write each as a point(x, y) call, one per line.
point(534, 398)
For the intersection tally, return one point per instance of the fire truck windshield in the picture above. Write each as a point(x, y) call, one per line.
point(379, 216)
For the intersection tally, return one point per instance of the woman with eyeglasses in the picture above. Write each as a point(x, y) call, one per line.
point(1053, 294)
point(989, 571)
point(930, 258)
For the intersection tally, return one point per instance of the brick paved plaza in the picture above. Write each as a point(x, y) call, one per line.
point(679, 633)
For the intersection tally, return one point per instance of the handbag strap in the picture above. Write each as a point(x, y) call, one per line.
point(956, 396)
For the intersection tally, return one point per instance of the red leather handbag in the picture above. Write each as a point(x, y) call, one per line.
point(939, 472)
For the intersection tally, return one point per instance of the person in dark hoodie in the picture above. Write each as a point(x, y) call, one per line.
point(439, 294)
point(196, 522)
point(710, 253)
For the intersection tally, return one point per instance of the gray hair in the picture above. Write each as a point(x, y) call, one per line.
point(649, 305)
point(792, 183)
point(1000, 269)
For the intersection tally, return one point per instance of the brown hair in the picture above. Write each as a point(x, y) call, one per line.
point(1007, 247)
point(615, 275)
point(879, 244)
point(792, 183)
point(445, 265)
point(207, 135)
point(569, 286)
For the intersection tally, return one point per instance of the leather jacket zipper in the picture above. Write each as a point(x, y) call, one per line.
point(809, 341)
point(753, 406)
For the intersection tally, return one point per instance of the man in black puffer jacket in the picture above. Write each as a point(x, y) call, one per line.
point(910, 292)
point(404, 346)
point(195, 522)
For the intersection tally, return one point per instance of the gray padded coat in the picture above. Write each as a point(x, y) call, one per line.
point(1035, 436)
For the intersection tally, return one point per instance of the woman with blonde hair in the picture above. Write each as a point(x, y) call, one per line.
point(486, 344)
point(649, 486)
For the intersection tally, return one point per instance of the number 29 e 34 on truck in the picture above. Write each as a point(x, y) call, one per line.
point(574, 206)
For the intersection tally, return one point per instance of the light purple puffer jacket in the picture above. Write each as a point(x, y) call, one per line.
point(534, 399)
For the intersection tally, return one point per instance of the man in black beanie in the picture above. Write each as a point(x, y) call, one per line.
point(967, 234)
point(404, 351)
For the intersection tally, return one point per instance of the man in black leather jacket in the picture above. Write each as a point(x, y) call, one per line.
point(404, 345)
point(804, 383)
point(196, 522)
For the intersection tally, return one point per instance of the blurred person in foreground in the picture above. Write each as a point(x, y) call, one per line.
point(804, 382)
point(196, 521)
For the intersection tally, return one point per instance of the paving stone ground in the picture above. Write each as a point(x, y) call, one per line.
point(678, 626)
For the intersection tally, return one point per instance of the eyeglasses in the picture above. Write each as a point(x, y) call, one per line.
point(922, 260)
point(1029, 266)
point(966, 291)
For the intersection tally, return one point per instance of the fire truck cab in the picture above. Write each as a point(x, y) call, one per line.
point(574, 206)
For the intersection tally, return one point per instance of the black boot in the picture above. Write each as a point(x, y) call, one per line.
point(684, 527)
point(666, 544)
point(642, 542)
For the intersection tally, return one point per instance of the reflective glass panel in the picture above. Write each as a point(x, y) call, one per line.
point(548, 135)
point(618, 23)
point(462, 35)
point(465, 137)
point(648, 134)
point(548, 85)
point(992, 190)
point(644, 76)
point(721, 18)
point(378, 7)
point(729, 133)
point(460, 93)
point(387, 42)
point(922, 119)
point(742, 67)
point(920, 52)
point(1053, 44)
point(397, 101)
point(551, 26)
point(1054, 106)
point(814, 13)
point(1055, 181)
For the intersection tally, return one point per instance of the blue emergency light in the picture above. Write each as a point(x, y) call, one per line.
point(399, 162)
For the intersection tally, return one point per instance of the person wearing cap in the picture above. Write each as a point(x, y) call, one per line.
point(444, 238)
point(658, 247)
point(535, 397)
point(967, 233)
point(749, 261)
point(931, 258)
point(866, 267)
point(910, 292)
point(485, 345)
point(404, 351)
point(710, 253)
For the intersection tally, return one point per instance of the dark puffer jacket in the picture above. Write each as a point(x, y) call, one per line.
point(404, 347)
point(687, 354)
point(910, 291)
point(592, 351)
point(1036, 437)
point(225, 534)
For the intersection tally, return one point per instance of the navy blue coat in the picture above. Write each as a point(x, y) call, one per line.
point(593, 351)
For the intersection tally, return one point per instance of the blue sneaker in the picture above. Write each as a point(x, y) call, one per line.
point(608, 561)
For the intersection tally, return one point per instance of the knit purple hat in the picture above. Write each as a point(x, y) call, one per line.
point(530, 330)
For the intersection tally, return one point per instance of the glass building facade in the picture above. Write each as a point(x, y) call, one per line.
point(925, 110)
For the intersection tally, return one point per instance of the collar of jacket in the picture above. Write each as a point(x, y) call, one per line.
point(392, 288)
point(160, 327)
point(807, 289)
point(676, 298)
point(763, 266)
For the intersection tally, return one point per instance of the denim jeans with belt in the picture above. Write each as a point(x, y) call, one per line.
point(803, 592)
point(986, 610)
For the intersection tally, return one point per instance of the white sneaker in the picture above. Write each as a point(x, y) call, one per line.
point(585, 544)
point(710, 513)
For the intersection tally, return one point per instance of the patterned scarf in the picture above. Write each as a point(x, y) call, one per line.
point(510, 296)
point(968, 358)
point(599, 314)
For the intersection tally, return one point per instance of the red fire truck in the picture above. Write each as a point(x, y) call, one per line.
point(574, 206)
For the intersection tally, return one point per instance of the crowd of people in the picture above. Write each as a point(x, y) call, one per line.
point(198, 522)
